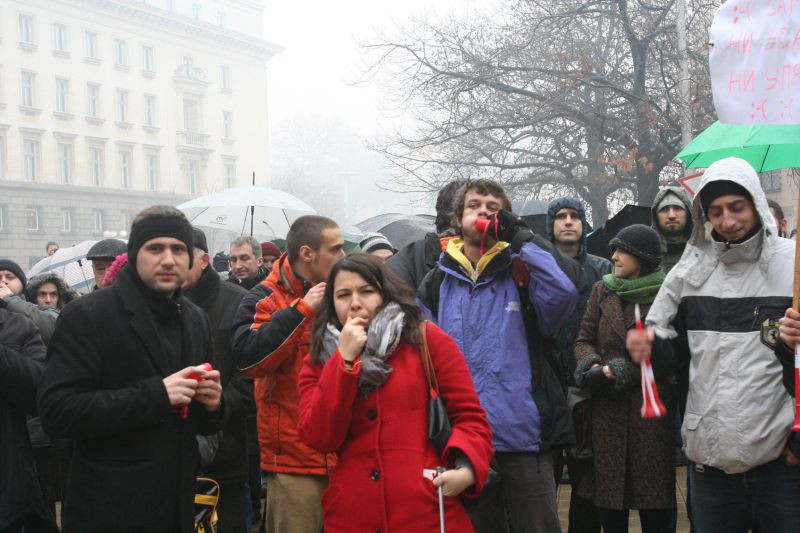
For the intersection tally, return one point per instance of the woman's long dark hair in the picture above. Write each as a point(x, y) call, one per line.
point(375, 273)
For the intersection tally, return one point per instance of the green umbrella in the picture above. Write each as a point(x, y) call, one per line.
point(764, 147)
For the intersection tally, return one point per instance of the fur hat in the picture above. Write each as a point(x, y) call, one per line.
point(640, 241)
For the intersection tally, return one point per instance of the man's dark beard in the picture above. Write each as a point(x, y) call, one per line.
point(672, 234)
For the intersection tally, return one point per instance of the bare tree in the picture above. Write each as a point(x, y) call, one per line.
point(573, 96)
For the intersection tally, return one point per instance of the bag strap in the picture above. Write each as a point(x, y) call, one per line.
point(427, 362)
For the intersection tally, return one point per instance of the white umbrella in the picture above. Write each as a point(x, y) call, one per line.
point(247, 210)
point(70, 264)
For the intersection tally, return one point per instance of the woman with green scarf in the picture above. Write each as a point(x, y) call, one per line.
point(632, 457)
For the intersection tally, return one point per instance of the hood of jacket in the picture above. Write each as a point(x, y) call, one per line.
point(700, 258)
point(567, 202)
point(65, 293)
point(684, 197)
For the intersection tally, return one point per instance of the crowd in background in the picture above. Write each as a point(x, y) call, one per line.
point(449, 382)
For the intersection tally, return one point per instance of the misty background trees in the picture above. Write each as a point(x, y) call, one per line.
point(569, 97)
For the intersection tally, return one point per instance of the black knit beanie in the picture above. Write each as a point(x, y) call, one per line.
point(718, 188)
point(160, 226)
point(14, 268)
point(639, 240)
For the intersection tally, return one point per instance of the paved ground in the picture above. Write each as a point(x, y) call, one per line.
point(635, 527)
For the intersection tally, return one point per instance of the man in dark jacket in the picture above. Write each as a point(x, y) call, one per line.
point(246, 264)
point(419, 258)
point(123, 381)
point(13, 285)
point(672, 220)
point(220, 300)
point(498, 297)
point(22, 355)
point(566, 228)
point(102, 255)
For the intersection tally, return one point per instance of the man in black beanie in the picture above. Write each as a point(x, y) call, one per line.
point(12, 297)
point(123, 381)
point(718, 311)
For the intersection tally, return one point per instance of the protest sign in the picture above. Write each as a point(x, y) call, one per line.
point(755, 61)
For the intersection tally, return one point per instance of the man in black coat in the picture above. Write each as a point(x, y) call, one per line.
point(122, 379)
point(220, 300)
point(22, 354)
point(418, 258)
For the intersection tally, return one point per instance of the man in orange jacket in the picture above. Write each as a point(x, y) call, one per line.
point(271, 335)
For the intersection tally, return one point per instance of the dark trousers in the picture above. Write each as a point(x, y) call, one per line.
point(584, 517)
point(526, 499)
point(31, 523)
point(230, 508)
point(653, 520)
point(728, 503)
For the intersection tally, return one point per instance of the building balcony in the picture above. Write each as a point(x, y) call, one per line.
point(192, 138)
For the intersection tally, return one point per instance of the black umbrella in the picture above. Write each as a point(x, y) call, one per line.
point(399, 229)
point(597, 242)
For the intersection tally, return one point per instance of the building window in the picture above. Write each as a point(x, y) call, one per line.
point(32, 218)
point(92, 100)
point(26, 29)
point(194, 175)
point(225, 77)
point(122, 105)
point(120, 52)
point(196, 10)
point(90, 44)
point(227, 125)
point(62, 95)
point(151, 164)
point(221, 19)
point(27, 81)
point(2, 218)
point(66, 220)
point(97, 221)
point(95, 166)
point(59, 38)
point(64, 163)
point(125, 169)
point(191, 115)
point(148, 63)
point(771, 181)
point(230, 174)
point(30, 159)
point(149, 110)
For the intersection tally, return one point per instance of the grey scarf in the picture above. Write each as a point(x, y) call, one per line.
point(383, 336)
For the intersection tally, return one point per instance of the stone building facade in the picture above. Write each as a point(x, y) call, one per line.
point(108, 106)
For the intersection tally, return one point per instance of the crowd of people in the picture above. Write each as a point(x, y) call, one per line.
point(441, 386)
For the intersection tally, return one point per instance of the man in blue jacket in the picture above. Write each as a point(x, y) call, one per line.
point(500, 295)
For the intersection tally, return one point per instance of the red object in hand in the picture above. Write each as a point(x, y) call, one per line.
point(184, 410)
point(652, 406)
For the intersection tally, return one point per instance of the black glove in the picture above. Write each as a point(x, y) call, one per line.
point(504, 226)
point(594, 378)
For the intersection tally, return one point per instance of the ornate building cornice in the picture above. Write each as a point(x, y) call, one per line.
point(162, 20)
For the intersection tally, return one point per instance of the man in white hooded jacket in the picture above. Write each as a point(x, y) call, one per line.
point(721, 305)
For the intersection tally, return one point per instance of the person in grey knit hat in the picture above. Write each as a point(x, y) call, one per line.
point(376, 244)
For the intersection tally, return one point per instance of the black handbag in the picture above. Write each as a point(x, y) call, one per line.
point(439, 428)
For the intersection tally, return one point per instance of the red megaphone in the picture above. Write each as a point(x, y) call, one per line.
point(184, 410)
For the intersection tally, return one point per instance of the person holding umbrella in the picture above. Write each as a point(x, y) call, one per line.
point(364, 395)
point(719, 311)
point(632, 466)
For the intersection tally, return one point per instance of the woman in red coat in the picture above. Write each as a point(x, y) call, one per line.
point(363, 394)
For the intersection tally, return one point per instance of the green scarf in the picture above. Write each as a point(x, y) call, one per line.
point(639, 291)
